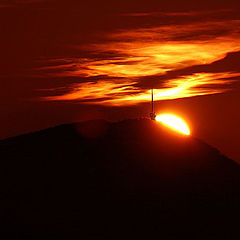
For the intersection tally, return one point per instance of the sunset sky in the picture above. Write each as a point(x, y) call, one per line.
point(66, 61)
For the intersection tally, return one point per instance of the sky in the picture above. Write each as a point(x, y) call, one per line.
point(66, 61)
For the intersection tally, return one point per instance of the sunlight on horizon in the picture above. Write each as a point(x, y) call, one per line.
point(174, 123)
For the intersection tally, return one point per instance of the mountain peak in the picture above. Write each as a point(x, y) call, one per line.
point(97, 178)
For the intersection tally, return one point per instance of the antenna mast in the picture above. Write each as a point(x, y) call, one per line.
point(152, 100)
point(152, 114)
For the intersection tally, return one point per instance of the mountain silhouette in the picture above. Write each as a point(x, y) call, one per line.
point(129, 179)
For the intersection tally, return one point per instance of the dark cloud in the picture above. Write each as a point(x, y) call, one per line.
point(228, 64)
point(18, 3)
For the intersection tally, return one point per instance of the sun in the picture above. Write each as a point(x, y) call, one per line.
point(174, 123)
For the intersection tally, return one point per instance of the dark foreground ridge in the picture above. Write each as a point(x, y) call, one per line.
point(131, 179)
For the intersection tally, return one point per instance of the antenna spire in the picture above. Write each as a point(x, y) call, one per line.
point(152, 114)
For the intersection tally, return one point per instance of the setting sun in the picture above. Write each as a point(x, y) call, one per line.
point(174, 122)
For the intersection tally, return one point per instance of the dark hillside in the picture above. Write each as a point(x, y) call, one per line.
point(135, 178)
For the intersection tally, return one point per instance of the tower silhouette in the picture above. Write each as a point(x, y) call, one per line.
point(152, 114)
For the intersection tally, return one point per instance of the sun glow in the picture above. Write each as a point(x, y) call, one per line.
point(174, 122)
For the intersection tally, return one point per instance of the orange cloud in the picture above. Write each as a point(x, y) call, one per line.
point(117, 93)
point(152, 51)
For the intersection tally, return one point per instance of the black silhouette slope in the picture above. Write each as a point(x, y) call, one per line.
point(98, 180)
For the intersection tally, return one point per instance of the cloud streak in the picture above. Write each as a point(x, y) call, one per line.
point(125, 93)
point(177, 14)
point(115, 68)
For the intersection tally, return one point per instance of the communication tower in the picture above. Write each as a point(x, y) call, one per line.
point(152, 114)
